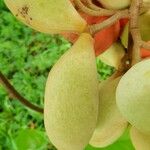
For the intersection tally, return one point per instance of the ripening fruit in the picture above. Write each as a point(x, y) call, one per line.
point(48, 16)
point(115, 4)
point(140, 141)
point(111, 124)
point(144, 24)
point(113, 55)
point(145, 52)
point(102, 39)
point(146, 1)
point(71, 97)
point(133, 96)
point(106, 37)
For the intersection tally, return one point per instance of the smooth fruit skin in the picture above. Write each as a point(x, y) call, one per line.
point(115, 4)
point(146, 1)
point(113, 55)
point(140, 141)
point(48, 16)
point(111, 124)
point(133, 96)
point(71, 97)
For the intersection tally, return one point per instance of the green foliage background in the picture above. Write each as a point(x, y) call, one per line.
point(26, 57)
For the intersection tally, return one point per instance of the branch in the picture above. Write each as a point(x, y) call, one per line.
point(110, 21)
point(100, 12)
point(134, 30)
point(92, 6)
point(11, 90)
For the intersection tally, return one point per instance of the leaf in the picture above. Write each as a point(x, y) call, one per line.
point(104, 70)
point(29, 139)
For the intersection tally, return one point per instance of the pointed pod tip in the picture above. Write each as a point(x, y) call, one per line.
point(109, 118)
point(52, 17)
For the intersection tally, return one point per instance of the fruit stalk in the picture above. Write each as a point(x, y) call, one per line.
point(134, 29)
point(110, 21)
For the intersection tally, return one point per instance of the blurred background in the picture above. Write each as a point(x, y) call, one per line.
point(26, 58)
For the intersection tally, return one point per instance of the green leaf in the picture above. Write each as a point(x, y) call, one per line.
point(30, 139)
point(104, 70)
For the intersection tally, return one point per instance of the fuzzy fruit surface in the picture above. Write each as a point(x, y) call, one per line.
point(115, 4)
point(109, 118)
point(113, 55)
point(133, 96)
point(71, 97)
point(47, 16)
point(140, 141)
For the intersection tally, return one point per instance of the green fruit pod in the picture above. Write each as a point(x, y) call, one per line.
point(111, 124)
point(140, 141)
point(133, 96)
point(47, 16)
point(115, 4)
point(71, 97)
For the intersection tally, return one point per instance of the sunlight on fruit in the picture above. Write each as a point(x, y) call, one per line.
point(146, 1)
point(71, 97)
point(111, 124)
point(133, 96)
point(115, 4)
point(48, 16)
point(113, 55)
point(140, 141)
point(125, 36)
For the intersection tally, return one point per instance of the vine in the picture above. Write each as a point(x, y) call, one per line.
point(15, 94)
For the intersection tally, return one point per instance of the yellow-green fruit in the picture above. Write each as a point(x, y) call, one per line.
point(146, 1)
point(113, 55)
point(115, 4)
point(133, 96)
point(111, 124)
point(48, 16)
point(140, 141)
point(71, 97)
point(144, 24)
